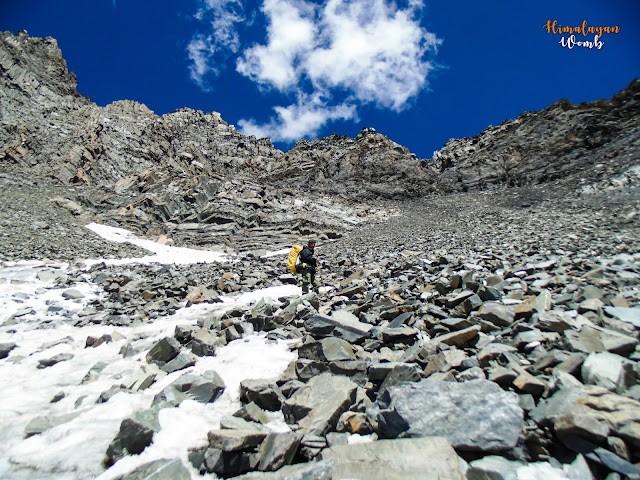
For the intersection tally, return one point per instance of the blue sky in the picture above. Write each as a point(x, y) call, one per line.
point(420, 72)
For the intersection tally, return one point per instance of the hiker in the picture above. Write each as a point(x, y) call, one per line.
point(309, 265)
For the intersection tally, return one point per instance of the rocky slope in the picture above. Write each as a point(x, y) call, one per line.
point(510, 314)
point(572, 144)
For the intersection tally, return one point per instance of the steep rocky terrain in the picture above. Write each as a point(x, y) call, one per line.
point(574, 145)
point(482, 305)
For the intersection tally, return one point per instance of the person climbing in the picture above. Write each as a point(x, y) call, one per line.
point(309, 266)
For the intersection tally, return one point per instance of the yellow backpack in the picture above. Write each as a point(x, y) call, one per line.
point(293, 257)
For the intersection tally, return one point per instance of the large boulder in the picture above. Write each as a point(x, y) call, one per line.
point(317, 406)
point(610, 371)
point(204, 388)
point(397, 459)
point(136, 434)
point(401, 459)
point(264, 393)
point(338, 325)
point(163, 351)
point(588, 411)
point(476, 415)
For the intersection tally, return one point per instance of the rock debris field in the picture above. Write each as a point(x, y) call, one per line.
point(478, 317)
point(497, 331)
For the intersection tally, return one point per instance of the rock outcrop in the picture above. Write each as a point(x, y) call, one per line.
point(572, 144)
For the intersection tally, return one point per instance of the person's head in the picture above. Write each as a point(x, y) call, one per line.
point(312, 243)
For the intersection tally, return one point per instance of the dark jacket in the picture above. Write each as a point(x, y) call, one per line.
point(306, 256)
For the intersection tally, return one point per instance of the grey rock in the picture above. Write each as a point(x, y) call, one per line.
point(347, 329)
point(499, 468)
point(143, 378)
point(229, 422)
point(214, 461)
point(398, 459)
point(203, 343)
point(320, 470)
point(96, 342)
point(5, 349)
point(554, 321)
point(163, 351)
point(619, 413)
point(159, 470)
point(277, 450)
point(49, 362)
point(204, 388)
point(401, 373)
point(41, 424)
point(377, 372)
point(402, 334)
point(445, 361)
point(135, 434)
point(94, 372)
point(603, 457)
point(456, 323)
point(581, 425)
point(72, 294)
point(235, 440)
point(497, 313)
point(627, 315)
point(317, 406)
point(527, 383)
point(264, 393)
point(179, 362)
point(253, 413)
point(330, 349)
point(493, 351)
point(591, 338)
point(610, 371)
point(474, 373)
point(542, 303)
point(494, 468)
point(476, 415)
point(401, 319)
point(459, 338)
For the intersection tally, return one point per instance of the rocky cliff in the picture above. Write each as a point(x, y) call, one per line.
point(574, 144)
point(48, 128)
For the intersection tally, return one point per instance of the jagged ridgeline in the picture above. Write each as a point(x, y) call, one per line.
point(52, 130)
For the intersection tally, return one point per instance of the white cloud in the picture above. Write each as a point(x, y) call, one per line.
point(290, 34)
point(302, 119)
point(205, 51)
point(331, 56)
point(223, 15)
point(369, 51)
point(201, 51)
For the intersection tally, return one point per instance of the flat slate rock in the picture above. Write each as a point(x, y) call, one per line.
point(159, 470)
point(627, 315)
point(476, 415)
point(401, 459)
point(337, 325)
point(317, 406)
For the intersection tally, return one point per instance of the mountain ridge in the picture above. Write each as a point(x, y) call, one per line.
point(49, 128)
